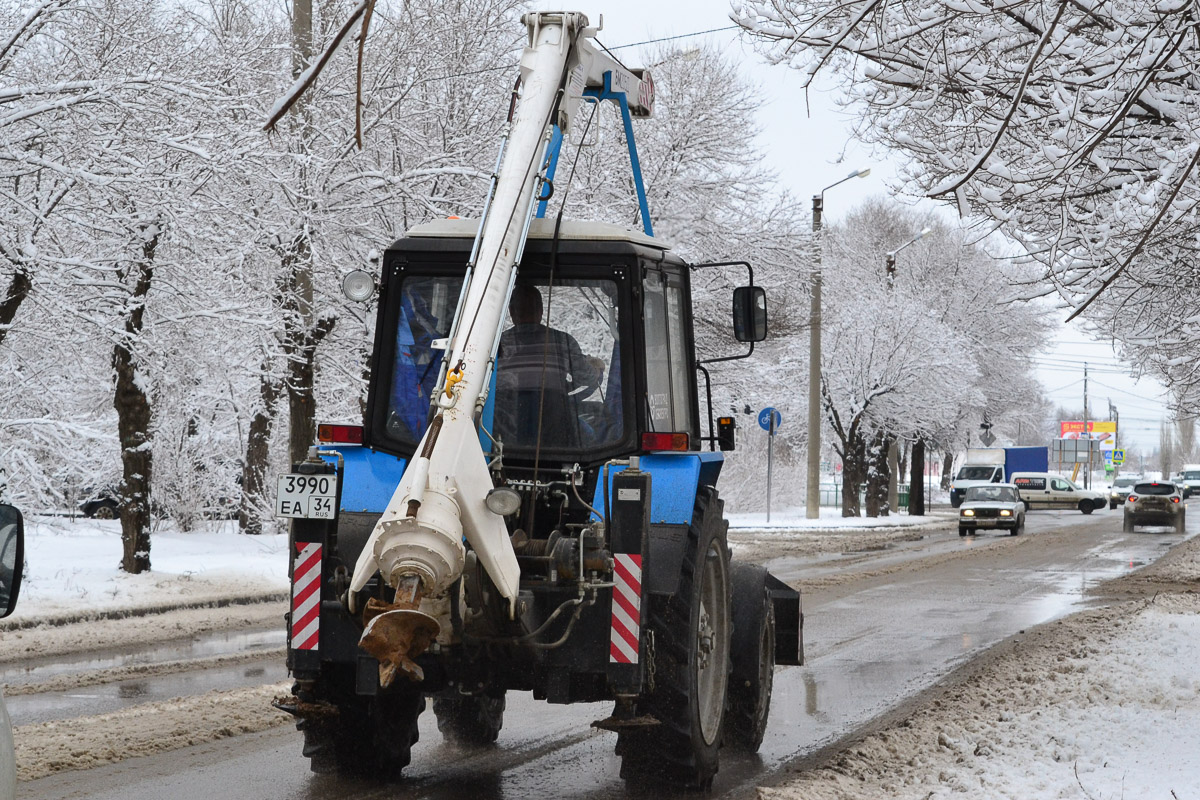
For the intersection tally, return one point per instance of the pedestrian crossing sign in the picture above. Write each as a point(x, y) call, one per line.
point(1118, 457)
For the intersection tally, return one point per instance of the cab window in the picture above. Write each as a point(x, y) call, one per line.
point(558, 369)
point(427, 305)
point(1060, 485)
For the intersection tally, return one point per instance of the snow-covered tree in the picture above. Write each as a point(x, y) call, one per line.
point(1072, 127)
point(946, 311)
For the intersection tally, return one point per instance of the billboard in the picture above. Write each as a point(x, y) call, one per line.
point(1103, 431)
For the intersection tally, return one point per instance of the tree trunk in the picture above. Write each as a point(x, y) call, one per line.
point(916, 480)
point(18, 290)
point(894, 472)
point(302, 419)
point(133, 419)
point(853, 470)
point(947, 469)
point(877, 476)
point(254, 468)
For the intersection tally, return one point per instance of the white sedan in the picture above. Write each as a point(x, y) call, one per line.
point(996, 505)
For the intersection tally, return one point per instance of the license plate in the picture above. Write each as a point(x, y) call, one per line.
point(306, 496)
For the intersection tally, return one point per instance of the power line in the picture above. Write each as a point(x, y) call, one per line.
point(1063, 388)
point(678, 36)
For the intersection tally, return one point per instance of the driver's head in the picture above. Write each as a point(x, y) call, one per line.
point(525, 307)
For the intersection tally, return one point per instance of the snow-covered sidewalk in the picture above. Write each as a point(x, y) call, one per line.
point(72, 569)
point(1102, 704)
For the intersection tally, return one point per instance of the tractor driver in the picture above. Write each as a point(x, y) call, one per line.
point(541, 368)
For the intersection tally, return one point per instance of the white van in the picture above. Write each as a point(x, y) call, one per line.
point(1048, 490)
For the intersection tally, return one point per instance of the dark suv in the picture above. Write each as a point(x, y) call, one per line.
point(1154, 503)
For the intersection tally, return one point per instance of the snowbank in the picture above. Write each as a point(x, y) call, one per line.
point(72, 569)
point(1105, 703)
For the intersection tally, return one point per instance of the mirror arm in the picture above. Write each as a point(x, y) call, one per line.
point(747, 354)
point(746, 264)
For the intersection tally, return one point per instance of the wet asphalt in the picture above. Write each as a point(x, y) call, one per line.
point(870, 642)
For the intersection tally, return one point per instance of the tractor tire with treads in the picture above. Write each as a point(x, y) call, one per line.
point(691, 632)
point(471, 720)
point(369, 737)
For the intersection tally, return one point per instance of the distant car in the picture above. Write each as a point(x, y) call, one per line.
point(1155, 503)
point(12, 557)
point(1189, 480)
point(1120, 490)
point(997, 506)
point(101, 504)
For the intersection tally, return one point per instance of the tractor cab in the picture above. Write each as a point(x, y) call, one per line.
point(594, 359)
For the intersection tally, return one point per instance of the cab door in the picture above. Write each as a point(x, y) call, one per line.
point(1062, 494)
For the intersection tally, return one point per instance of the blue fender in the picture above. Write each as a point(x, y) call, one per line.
point(674, 480)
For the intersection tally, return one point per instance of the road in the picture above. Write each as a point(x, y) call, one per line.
point(880, 627)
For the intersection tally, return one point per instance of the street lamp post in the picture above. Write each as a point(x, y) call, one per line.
point(891, 256)
point(812, 499)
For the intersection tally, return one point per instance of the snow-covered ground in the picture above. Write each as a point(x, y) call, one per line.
point(72, 568)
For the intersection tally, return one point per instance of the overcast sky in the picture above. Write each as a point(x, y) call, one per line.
point(808, 143)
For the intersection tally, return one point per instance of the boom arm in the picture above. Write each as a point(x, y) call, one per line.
point(417, 543)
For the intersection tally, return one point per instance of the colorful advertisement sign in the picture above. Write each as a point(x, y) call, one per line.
point(1103, 431)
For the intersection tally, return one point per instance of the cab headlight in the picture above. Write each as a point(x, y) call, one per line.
point(968, 512)
point(1004, 512)
point(1114, 494)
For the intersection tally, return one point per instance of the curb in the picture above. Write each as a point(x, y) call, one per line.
point(140, 611)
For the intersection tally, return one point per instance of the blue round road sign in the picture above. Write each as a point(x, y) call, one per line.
point(764, 419)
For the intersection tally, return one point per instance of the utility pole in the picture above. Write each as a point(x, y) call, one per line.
point(1115, 417)
point(1087, 477)
point(812, 494)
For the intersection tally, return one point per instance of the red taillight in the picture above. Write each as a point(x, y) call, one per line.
point(1174, 499)
point(665, 441)
point(1133, 498)
point(339, 434)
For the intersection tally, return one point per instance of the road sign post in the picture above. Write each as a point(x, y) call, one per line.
point(769, 419)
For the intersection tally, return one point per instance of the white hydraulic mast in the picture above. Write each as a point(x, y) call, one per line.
point(417, 543)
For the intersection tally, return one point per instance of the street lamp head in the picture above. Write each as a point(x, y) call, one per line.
point(860, 173)
point(924, 231)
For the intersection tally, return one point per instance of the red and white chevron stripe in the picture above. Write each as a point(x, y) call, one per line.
point(626, 609)
point(306, 596)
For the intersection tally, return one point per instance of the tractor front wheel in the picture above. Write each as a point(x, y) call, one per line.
point(753, 656)
point(471, 720)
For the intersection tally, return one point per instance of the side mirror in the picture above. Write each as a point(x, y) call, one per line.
point(749, 313)
point(12, 557)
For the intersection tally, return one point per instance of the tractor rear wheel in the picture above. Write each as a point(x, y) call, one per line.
point(691, 634)
point(470, 719)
